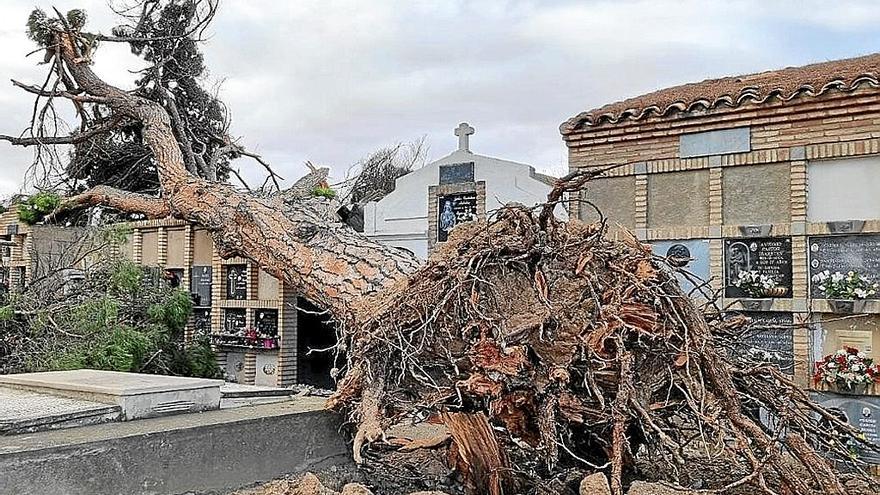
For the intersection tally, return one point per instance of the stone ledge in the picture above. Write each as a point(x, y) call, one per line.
point(212, 451)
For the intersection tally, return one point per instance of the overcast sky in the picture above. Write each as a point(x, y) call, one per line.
point(330, 81)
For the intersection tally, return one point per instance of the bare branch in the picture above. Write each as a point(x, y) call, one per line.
point(54, 140)
point(118, 199)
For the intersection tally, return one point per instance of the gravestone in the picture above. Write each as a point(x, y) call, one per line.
point(201, 282)
point(236, 282)
point(202, 321)
point(234, 321)
point(690, 256)
point(862, 412)
point(266, 322)
point(858, 253)
point(454, 209)
point(769, 256)
point(771, 334)
point(457, 173)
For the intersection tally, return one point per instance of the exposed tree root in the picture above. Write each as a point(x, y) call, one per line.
point(580, 352)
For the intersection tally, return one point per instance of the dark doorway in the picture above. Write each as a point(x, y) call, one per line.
point(314, 331)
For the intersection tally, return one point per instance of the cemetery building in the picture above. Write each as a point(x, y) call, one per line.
point(775, 174)
point(259, 326)
point(462, 186)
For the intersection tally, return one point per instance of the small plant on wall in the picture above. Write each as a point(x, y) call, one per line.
point(757, 284)
point(850, 285)
point(848, 370)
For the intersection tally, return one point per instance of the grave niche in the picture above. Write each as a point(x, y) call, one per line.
point(690, 256)
point(234, 322)
point(863, 412)
point(769, 256)
point(832, 333)
point(858, 253)
point(613, 196)
point(236, 282)
point(678, 199)
point(454, 209)
point(202, 321)
point(201, 283)
point(771, 333)
point(266, 322)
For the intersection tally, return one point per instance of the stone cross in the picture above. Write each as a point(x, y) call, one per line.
point(463, 131)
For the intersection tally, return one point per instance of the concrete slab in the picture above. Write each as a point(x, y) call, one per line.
point(139, 395)
point(214, 451)
point(22, 411)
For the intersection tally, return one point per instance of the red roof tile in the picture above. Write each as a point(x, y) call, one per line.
point(785, 84)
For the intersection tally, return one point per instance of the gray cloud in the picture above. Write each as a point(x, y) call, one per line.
point(329, 81)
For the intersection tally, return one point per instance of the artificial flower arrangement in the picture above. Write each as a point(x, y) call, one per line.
point(251, 337)
point(757, 284)
point(847, 369)
point(845, 286)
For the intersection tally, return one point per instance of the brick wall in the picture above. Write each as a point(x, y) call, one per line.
point(763, 187)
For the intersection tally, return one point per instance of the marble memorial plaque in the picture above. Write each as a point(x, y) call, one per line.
point(457, 173)
point(234, 321)
point(770, 256)
point(266, 322)
point(858, 253)
point(202, 321)
point(771, 334)
point(200, 284)
point(454, 209)
point(690, 258)
point(863, 412)
point(236, 282)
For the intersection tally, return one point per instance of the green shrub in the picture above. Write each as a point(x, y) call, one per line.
point(32, 210)
point(325, 192)
point(7, 313)
point(126, 277)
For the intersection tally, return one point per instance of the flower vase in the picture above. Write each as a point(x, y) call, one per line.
point(855, 389)
point(847, 306)
point(756, 304)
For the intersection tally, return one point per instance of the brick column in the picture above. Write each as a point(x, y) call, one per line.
point(286, 374)
point(162, 235)
point(137, 246)
point(640, 214)
point(250, 367)
point(716, 206)
point(186, 282)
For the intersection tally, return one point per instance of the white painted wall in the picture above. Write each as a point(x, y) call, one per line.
point(844, 189)
point(401, 218)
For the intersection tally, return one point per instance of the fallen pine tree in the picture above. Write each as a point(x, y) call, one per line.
point(545, 347)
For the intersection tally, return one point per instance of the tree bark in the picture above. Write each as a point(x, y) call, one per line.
point(328, 262)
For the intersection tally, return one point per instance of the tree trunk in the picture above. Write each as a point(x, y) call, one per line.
point(328, 262)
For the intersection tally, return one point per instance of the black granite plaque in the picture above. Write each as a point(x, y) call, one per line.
point(266, 322)
point(863, 412)
point(769, 256)
point(236, 282)
point(202, 321)
point(201, 282)
point(770, 335)
point(234, 321)
point(858, 253)
point(457, 173)
point(173, 277)
point(454, 209)
point(12, 229)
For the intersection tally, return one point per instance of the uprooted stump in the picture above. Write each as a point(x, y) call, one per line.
point(547, 349)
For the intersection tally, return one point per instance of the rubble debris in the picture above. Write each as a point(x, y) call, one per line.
point(594, 484)
point(549, 349)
